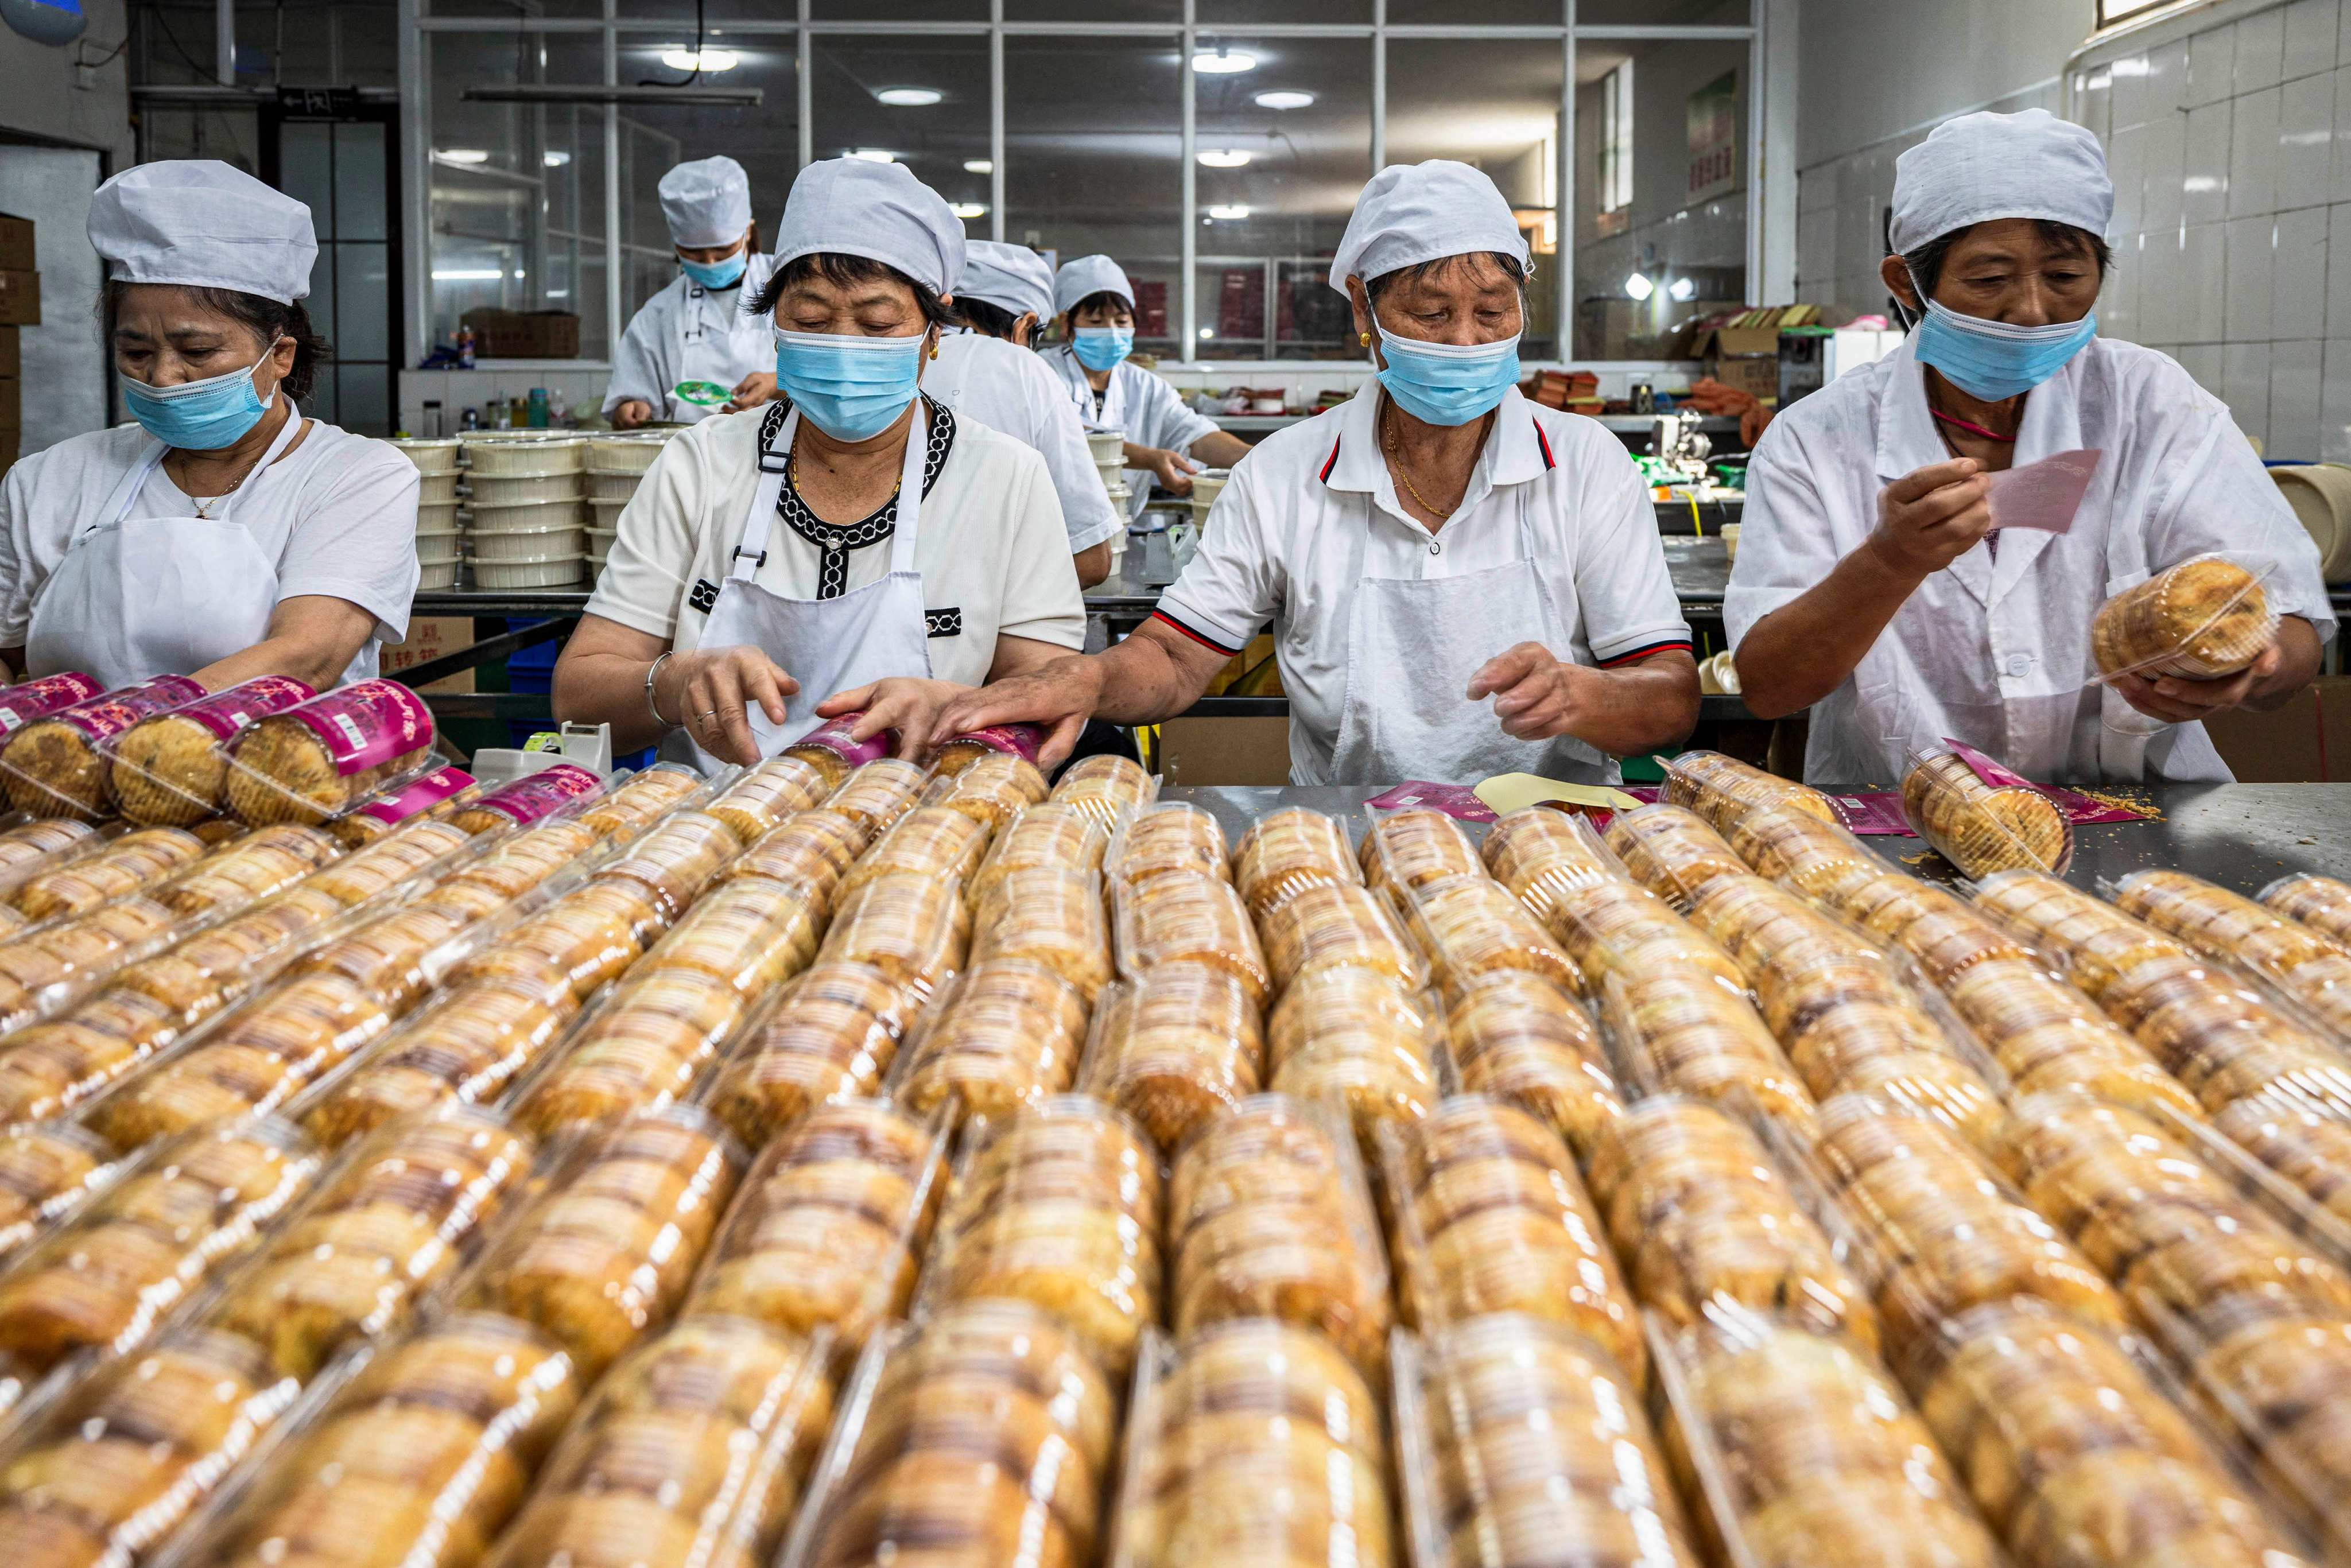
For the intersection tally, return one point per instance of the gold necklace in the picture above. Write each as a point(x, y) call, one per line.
point(1388, 445)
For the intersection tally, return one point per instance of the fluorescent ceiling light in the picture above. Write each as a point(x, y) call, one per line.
point(1223, 62)
point(1683, 288)
point(555, 160)
point(873, 155)
point(468, 156)
point(677, 97)
point(467, 274)
point(1638, 286)
point(1207, 332)
point(1229, 212)
point(979, 165)
point(685, 59)
point(1224, 158)
point(969, 209)
point(1283, 99)
point(909, 97)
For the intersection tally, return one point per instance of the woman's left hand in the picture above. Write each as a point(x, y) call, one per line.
point(2177, 700)
point(904, 703)
point(753, 390)
point(1536, 696)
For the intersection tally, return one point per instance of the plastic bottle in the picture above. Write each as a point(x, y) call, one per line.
point(536, 412)
point(472, 420)
point(464, 348)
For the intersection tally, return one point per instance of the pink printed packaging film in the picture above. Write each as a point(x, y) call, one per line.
point(833, 735)
point(538, 795)
point(1020, 740)
point(231, 709)
point(111, 713)
point(28, 700)
point(1456, 800)
point(171, 769)
point(56, 764)
point(422, 794)
point(2074, 805)
point(319, 760)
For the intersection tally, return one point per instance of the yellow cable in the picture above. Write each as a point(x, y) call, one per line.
point(1698, 526)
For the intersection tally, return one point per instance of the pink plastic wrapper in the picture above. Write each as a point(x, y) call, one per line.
point(538, 795)
point(829, 748)
point(23, 703)
point(368, 724)
point(1020, 740)
point(1456, 800)
point(1871, 813)
point(421, 795)
point(321, 758)
point(113, 712)
point(2076, 808)
point(226, 712)
point(56, 764)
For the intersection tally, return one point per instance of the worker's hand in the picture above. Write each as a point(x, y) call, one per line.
point(1536, 696)
point(753, 390)
point(631, 413)
point(2178, 700)
point(904, 703)
point(708, 692)
point(1928, 519)
point(1173, 470)
point(1058, 696)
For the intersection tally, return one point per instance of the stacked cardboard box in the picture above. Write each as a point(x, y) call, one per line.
point(20, 307)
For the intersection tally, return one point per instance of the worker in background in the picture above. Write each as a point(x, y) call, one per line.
point(1167, 443)
point(851, 544)
point(1871, 585)
point(988, 374)
point(1461, 584)
point(695, 333)
point(224, 535)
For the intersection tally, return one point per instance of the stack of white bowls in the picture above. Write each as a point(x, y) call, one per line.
point(615, 464)
point(1109, 447)
point(524, 489)
point(436, 510)
point(1207, 485)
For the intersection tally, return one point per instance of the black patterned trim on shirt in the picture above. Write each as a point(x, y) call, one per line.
point(947, 623)
point(704, 597)
point(834, 542)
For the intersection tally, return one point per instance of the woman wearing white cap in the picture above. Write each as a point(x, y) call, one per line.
point(1165, 440)
point(851, 546)
point(223, 536)
point(988, 374)
point(695, 330)
point(1872, 584)
point(1433, 542)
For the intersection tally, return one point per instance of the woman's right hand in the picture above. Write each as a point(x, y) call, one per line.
point(708, 692)
point(1058, 697)
point(631, 413)
point(1171, 470)
point(1928, 519)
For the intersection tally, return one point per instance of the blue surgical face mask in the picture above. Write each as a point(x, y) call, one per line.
point(1102, 348)
point(1993, 360)
point(1447, 383)
point(198, 417)
point(852, 387)
point(724, 274)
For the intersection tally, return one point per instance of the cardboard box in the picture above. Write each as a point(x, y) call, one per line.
point(17, 243)
point(12, 355)
point(2307, 741)
point(429, 637)
point(12, 405)
point(1755, 375)
point(1195, 751)
point(524, 334)
point(20, 298)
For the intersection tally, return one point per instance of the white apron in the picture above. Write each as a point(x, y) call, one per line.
point(828, 645)
point(133, 598)
point(714, 343)
point(1412, 645)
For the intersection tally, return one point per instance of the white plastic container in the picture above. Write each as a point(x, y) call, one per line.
point(603, 485)
point(432, 454)
point(436, 517)
point(493, 491)
point(513, 453)
point(437, 548)
point(529, 516)
point(630, 452)
point(537, 546)
point(607, 513)
point(599, 545)
point(437, 489)
point(1107, 444)
point(1112, 475)
point(546, 571)
point(437, 577)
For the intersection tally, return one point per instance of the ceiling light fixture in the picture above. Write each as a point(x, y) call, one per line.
point(1638, 286)
point(1231, 213)
point(909, 97)
point(465, 156)
point(1224, 158)
point(467, 274)
point(979, 165)
point(1206, 332)
point(1223, 62)
point(1683, 289)
point(681, 59)
point(969, 209)
point(1283, 97)
point(555, 160)
point(873, 155)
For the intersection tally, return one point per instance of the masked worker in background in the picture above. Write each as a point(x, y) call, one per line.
point(1871, 585)
point(694, 331)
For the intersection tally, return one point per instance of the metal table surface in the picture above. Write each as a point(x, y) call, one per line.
point(2242, 836)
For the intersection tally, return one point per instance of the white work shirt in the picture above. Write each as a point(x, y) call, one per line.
point(1995, 649)
point(1145, 407)
point(1276, 548)
point(689, 333)
point(991, 549)
point(337, 514)
point(1008, 388)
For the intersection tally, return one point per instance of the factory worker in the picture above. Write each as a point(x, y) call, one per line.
point(852, 545)
point(1871, 585)
point(1167, 443)
point(1461, 584)
point(988, 374)
point(224, 535)
point(695, 328)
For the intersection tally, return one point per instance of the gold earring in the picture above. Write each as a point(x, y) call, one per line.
point(935, 348)
point(1365, 338)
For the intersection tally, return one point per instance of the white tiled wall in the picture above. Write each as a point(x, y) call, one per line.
point(2228, 132)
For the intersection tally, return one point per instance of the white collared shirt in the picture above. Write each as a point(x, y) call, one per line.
point(1995, 649)
point(1008, 388)
point(1146, 407)
point(687, 332)
point(1276, 548)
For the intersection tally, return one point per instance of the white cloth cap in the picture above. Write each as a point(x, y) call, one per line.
point(1011, 275)
point(199, 222)
point(1087, 276)
point(1979, 167)
point(879, 211)
point(1412, 213)
point(708, 203)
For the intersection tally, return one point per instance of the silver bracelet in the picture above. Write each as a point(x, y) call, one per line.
point(653, 670)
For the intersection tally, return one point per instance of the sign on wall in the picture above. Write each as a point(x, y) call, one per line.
point(1714, 138)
